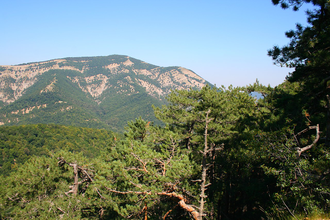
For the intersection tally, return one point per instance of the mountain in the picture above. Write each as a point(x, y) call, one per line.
point(96, 92)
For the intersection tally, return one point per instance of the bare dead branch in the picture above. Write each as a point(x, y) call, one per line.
point(61, 210)
point(145, 211)
point(182, 204)
point(288, 209)
point(194, 181)
point(169, 211)
point(182, 200)
point(128, 192)
point(134, 168)
point(189, 209)
point(162, 164)
point(101, 212)
point(317, 129)
point(13, 197)
point(216, 149)
point(144, 164)
point(86, 177)
point(86, 174)
point(98, 192)
point(136, 185)
point(74, 187)
point(170, 187)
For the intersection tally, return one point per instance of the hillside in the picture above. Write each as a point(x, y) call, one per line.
point(97, 92)
point(19, 143)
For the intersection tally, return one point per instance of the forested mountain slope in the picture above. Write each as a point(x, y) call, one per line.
point(98, 92)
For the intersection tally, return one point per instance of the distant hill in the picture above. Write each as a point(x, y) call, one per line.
point(96, 92)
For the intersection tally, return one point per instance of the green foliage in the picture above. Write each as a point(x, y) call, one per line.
point(288, 3)
point(39, 189)
point(137, 130)
point(72, 63)
point(19, 143)
point(246, 148)
point(128, 176)
point(308, 52)
point(185, 113)
point(300, 185)
point(219, 149)
point(300, 102)
point(123, 108)
point(139, 171)
point(234, 117)
point(138, 64)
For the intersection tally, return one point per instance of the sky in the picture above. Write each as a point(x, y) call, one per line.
point(223, 41)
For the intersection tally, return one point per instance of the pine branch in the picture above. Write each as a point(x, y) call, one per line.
point(181, 198)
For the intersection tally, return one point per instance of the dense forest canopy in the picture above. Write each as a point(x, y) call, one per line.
point(19, 143)
point(220, 154)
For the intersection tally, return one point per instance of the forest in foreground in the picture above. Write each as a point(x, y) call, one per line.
point(221, 154)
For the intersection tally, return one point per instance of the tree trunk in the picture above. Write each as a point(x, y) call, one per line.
point(204, 167)
point(75, 184)
point(327, 139)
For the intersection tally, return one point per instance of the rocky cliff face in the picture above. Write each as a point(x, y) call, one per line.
point(14, 80)
point(106, 81)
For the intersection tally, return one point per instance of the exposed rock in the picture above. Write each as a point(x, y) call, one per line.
point(105, 91)
point(14, 80)
point(50, 87)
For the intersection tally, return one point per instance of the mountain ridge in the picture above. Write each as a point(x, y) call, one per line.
point(99, 88)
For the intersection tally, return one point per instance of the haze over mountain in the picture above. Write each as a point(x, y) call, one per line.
point(98, 92)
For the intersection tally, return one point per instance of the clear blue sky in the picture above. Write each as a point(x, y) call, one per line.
point(223, 41)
